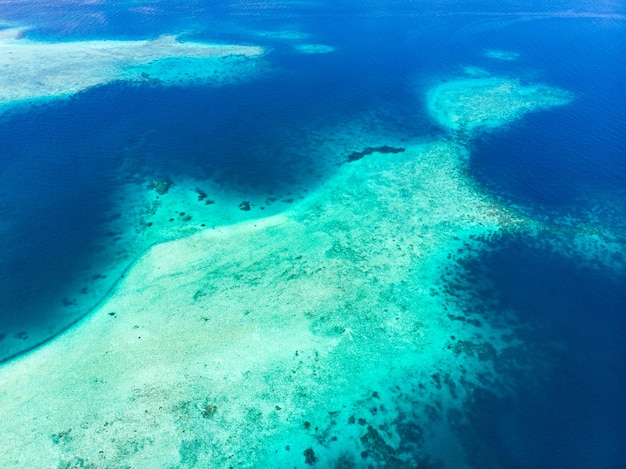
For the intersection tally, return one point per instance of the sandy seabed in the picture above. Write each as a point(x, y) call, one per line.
point(323, 336)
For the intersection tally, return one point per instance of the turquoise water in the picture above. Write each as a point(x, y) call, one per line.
point(66, 166)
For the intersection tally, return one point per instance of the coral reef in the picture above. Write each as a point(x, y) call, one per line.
point(160, 185)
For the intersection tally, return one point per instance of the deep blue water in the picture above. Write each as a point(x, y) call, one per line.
point(554, 159)
point(60, 167)
point(572, 413)
point(554, 163)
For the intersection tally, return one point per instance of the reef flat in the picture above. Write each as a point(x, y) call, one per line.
point(34, 70)
point(472, 104)
point(323, 336)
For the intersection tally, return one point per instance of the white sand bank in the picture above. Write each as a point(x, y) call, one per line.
point(35, 70)
point(311, 336)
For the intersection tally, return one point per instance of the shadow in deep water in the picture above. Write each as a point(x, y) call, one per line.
point(57, 176)
point(574, 415)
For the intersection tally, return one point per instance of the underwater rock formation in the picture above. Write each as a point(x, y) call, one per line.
point(160, 185)
point(357, 155)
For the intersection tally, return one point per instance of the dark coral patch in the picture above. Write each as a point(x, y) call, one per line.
point(160, 185)
point(357, 155)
